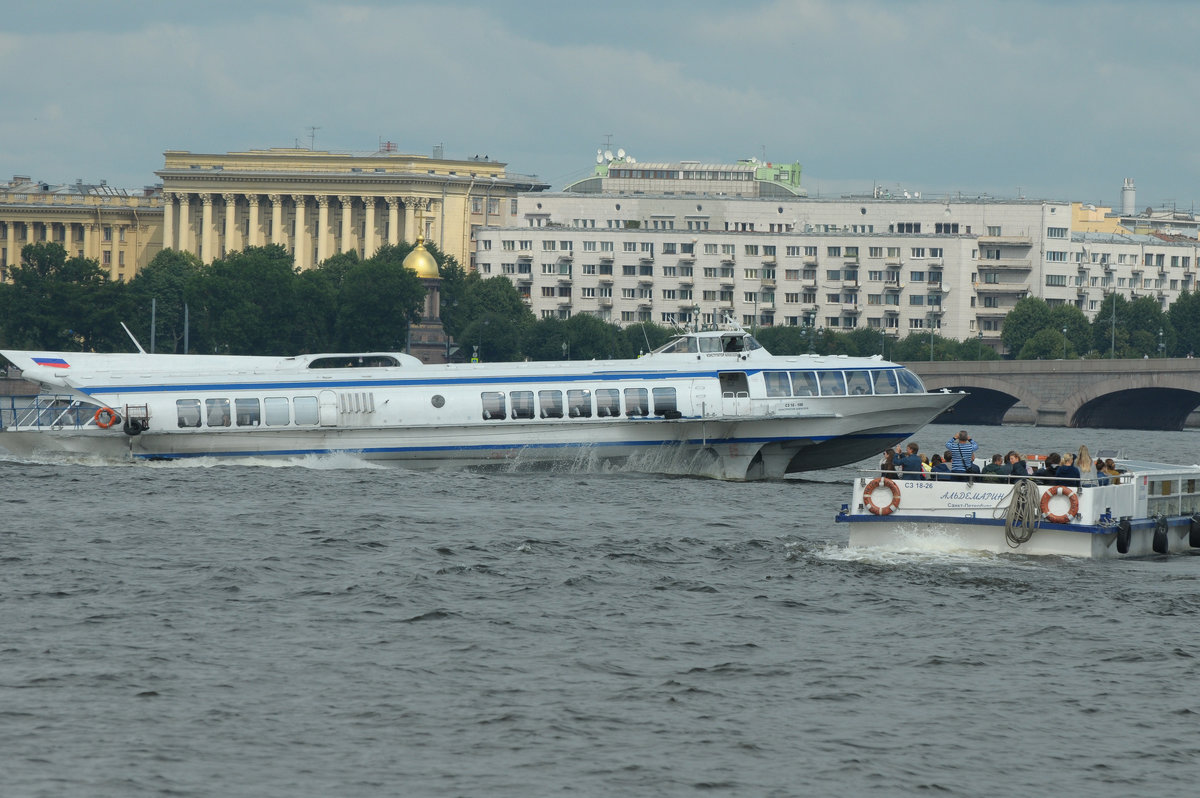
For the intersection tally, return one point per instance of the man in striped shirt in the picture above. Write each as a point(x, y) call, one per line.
point(962, 451)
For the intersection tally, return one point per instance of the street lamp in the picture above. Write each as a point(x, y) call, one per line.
point(1064, 343)
point(930, 318)
point(1160, 343)
point(566, 350)
point(979, 349)
point(1112, 354)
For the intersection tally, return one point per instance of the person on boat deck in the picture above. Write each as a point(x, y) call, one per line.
point(996, 469)
point(939, 466)
point(1087, 469)
point(910, 463)
point(960, 451)
point(1017, 467)
point(1047, 472)
point(1068, 472)
point(926, 465)
point(888, 466)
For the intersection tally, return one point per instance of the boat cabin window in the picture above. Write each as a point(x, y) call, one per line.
point(885, 381)
point(307, 410)
point(710, 345)
point(550, 403)
point(637, 402)
point(276, 408)
point(579, 403)
point(608, 402)
point(909, 382)
point(354, 362)
point(247, 412)
point(777, 383)
point(217, 412)
point(189, 412)
point(493, 405)
point(522, 404)
point(804, 383)
point(832, 383)
point(858, 383)
point(682, 344)
point(664, 401)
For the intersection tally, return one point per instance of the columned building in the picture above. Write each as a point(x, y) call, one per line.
point(319, 204)
point(117, 228)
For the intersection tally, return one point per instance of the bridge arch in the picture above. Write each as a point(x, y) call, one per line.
point(1134, 401)
point(988, 400)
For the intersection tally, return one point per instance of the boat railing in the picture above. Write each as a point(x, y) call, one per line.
point(992, 479)
point(44, 412)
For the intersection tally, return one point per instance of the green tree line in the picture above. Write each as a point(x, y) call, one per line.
point(1122, 328)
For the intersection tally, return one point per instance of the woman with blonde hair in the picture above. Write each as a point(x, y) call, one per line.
point(1087, 468)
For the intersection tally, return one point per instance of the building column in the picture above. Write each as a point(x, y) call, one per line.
point(347, 222)
point(185, 223)
point(231, 231)
point(168, 203)
point(410, 220)
point(255, 234)
point(14, 257)
point(369, 227)
point(276, 218)
point(393, 220)
point(206, 227)
point(302, 250)
point(88, 227)
point(432, 221)
point(322, 228)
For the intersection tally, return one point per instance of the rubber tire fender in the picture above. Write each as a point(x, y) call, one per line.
point(1124, 535)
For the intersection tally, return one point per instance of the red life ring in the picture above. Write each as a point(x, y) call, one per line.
point(869, 498)
point(105, 417)
point(1060, 490)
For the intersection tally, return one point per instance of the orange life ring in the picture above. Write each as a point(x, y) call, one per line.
point(1060, 490)
point(869, 499)
point(105, 417)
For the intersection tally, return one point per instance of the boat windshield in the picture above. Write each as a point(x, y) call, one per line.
point(354, 362)
point(726, 342)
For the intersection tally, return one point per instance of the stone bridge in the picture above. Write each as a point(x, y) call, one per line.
point(1123, 394)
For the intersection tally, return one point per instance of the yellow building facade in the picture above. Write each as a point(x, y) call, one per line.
point(119, 229)
point(318, 204)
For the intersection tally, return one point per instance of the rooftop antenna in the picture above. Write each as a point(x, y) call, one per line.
point(131, 337)
point(312, 136)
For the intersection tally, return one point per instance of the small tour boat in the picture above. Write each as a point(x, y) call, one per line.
point(1150, 508)
point(709, 402)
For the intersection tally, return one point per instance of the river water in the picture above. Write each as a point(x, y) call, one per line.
point(327, 627)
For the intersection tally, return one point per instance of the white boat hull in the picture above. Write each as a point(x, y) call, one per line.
point(1149, 511)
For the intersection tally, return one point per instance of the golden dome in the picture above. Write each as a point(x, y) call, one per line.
point(421, 262)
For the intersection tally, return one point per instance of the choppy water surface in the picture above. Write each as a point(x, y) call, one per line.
point(331, 628)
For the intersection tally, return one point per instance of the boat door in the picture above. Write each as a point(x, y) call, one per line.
point(328, 408)
point(735, 393)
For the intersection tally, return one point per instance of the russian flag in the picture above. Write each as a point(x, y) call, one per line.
point(52, 362)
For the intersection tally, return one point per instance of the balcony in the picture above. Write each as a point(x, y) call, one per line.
point(851, 309)
point(646, 257)
point(1005, 241)
point(999, 288)
point(524, 256)
point(768, 282)
point(604, 302)
point(1006, 264)
point(606, 256)
point(769, 259)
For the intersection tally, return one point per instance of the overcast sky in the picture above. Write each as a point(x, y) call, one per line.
point(1058, 100)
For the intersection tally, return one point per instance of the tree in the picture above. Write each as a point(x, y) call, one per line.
point(1047, 344)
point(378, 301)
point(1028, 317)
point(1184, 315)
point(646, 336)
point(1079, 329)
point(60, 303)
point(787, 340)
point(1110, 337)
point(246, 302)
point(1145, 320)
point(163, 283)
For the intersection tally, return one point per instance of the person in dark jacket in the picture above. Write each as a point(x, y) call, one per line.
point(1046, 474)
point(940, 467)
point(911, 463)
point(1068, 473)
point(996, 469)
point(1017, 467)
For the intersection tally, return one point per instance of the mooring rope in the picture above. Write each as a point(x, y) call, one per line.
point(1024, 513)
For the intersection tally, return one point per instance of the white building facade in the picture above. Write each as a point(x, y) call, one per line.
point(896, 265)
